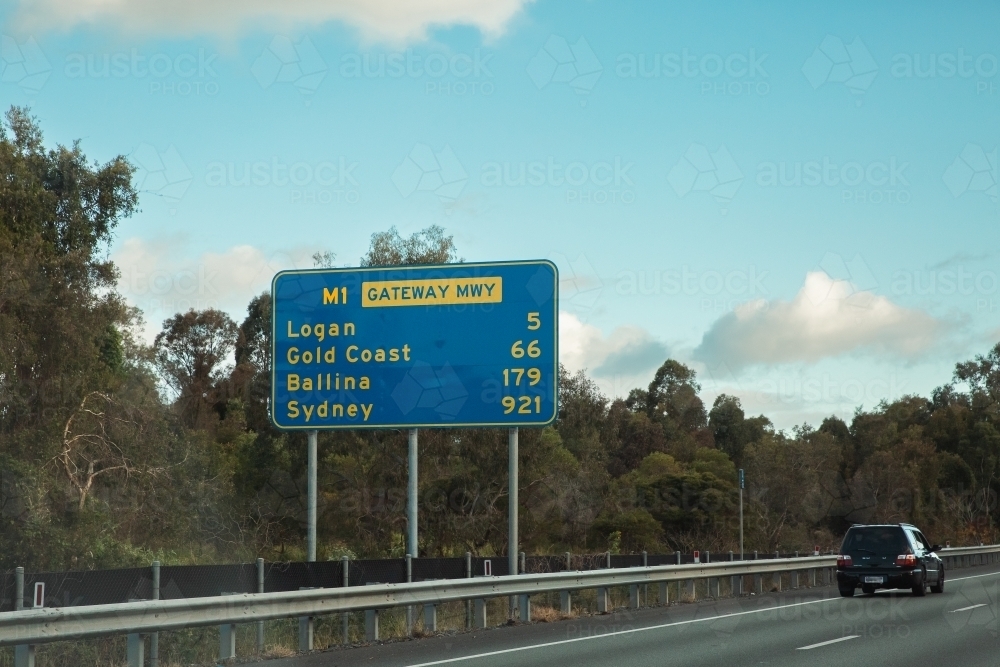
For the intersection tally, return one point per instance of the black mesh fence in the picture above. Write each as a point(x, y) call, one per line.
point(84, 587)
point(297, 576)
point(428, 569)
point(365, 572)
point(626, 561)
point(190, 581)
point(93, 587)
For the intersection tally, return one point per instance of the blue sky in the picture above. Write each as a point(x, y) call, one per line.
point(801, 204)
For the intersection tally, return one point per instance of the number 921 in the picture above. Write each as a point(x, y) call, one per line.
point(525, 405)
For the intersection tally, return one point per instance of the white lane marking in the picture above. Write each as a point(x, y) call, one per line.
point(975, 606)
point(651, 627)
point(827, 643)
point(620, 632)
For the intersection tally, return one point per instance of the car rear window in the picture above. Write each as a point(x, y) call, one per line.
point(876, 540)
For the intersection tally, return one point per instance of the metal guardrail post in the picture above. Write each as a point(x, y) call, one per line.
point(409, 608)
point(645, 587)
point(680, 593)
point(24, 655)
point(633, 596)
point(227, 639)
point(307, 630)
point(735, 583)
point(371, 621)
point(345, 618)
point(135, 650)
point(795, 575)
point(523, 601)
point(565, 597)
point(371, 625)
point(468, 603)
point(758, 584)
point(260, 589)
point(154, 637)
point(603, 601)
point(812, 578)
point(430, 618)
point(664, 594)
point(690, 593)
point(480, 613)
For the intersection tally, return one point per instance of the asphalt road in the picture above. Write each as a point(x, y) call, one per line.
point(814, 627)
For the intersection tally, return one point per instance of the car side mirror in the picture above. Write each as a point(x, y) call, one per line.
point(936, 547)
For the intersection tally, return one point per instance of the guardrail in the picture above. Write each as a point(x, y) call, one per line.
point(38, 626)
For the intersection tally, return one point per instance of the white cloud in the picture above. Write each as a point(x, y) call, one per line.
point(376, 19)
point(627, 357)
point(826, 318)
point(159, 279)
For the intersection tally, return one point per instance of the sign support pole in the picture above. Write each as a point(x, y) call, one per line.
point(512, 501)
point(311, 502)
point(511, 510)
point(411, 499)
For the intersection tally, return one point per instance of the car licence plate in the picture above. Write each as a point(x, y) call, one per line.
point(874, 580)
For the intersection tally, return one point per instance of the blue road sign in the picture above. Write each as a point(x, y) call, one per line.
point(417, 346)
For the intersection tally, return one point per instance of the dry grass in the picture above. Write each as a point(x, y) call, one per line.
point(278, 651)
point(540, 614)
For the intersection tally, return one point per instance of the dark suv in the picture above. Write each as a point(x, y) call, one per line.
point(888, 556)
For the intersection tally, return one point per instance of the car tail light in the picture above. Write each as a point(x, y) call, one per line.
point(844, 561)
point(906, 560)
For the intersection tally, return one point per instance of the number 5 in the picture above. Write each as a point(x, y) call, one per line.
point(533, 321)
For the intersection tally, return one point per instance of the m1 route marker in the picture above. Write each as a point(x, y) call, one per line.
point(455, 345)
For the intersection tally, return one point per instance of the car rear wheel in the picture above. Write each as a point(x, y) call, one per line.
point(920, 585)
point(939, 586)
point(847, 592)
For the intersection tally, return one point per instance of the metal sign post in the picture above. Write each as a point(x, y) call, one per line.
point(454, 345)
point(512, 508)
point(411, 497)
point(311, 502)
